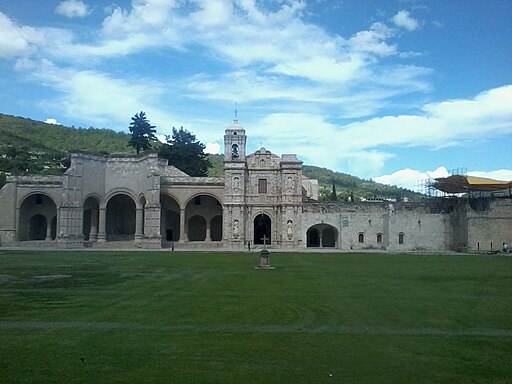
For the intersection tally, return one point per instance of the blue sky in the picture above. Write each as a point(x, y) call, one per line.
point(389, 90)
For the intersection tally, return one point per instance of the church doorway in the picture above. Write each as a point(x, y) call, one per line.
point(262, 229)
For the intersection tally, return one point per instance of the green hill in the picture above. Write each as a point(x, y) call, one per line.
point(33, 147)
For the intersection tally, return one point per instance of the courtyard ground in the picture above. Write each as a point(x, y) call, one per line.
point(191, 317)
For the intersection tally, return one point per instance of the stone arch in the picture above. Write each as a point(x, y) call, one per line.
point(120, 217)
point(119, 191)
point(206, 206)
point(169, 218)
point(37, 212)
point(90, 222)
point(262, 229)
point(322, 235)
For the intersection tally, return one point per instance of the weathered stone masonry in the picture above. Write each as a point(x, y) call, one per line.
point(262, 199)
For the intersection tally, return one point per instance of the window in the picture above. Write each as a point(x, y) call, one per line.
point(262, 186)
point(400, 238)
point(379, 238)
point(360, 237)
point(39, 199)
point(197, 200)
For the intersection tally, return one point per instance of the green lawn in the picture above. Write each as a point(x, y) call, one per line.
point(162, 317)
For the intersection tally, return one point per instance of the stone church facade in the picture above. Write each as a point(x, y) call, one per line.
point(262, 199)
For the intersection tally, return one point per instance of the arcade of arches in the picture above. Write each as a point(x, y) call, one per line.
point(121, 219)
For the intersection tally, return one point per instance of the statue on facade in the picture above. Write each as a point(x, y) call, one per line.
point(289, 229)
point(236, 229)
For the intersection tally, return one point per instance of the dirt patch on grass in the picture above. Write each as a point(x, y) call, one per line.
point(42, 279)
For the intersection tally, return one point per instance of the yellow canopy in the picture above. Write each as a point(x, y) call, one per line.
point(462, 184)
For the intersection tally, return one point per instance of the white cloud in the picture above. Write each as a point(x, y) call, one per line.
point(440, 123)
point(52, 121)
point(410, 178)
point(13, 39)
point(404, 20)
point(72, 8)
point(213, 13)
point(145, 16)
point(499, 174)
point(100, 98)
point(415, 180)
point(374, 40)
point(363, 147)
point(213, 148)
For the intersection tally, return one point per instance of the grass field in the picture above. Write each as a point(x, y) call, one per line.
point(162, 317)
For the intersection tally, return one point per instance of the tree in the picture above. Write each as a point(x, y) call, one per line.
point(334, 195)
point(142, 132)
point(185, 153)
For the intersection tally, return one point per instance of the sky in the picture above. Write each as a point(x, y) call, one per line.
point(392, 90)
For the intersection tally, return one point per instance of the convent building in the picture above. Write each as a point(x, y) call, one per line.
point(263, 199)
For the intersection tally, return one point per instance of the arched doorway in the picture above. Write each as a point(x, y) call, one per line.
point(322, 235)
point(37, 218)
point(262, 229)
point(120, 225)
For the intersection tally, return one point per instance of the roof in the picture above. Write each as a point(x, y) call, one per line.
point(462, 184)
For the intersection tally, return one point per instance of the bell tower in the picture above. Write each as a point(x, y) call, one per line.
point(235, 184)
point(235, 142)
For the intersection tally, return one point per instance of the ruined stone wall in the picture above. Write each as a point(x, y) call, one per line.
point(489, 226)
point(362, 225)
point(8, 213)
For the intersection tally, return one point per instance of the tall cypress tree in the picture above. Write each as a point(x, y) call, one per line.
point(334, 195)
point(143, 133)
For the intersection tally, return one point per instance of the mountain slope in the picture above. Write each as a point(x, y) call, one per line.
point(33, 147)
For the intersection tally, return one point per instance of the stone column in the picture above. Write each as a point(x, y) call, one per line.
point(321, 238)
point(183, 232)
point(93, 235)
point(48, 230)
point(102, 235)
point(208, 237)
point(138, 224)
